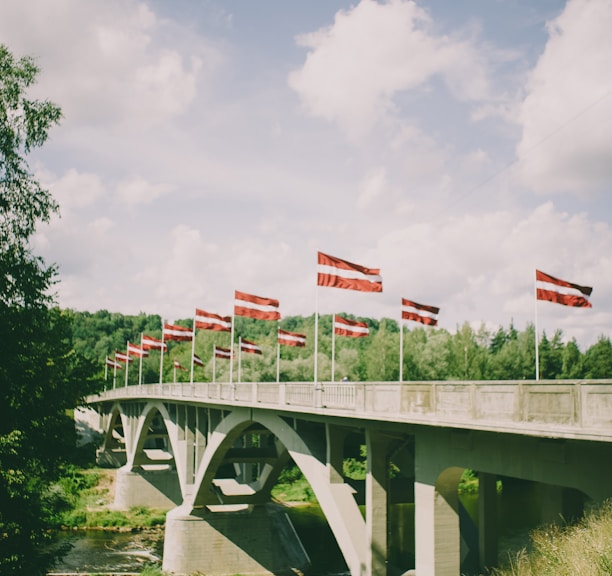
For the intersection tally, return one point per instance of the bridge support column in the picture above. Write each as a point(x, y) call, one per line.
point(151, 488)
point(436, 533)
point(487, 519)
point(255, 540)
point(376, 504)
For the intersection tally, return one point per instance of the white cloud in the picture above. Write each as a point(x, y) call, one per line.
point(566, 143)
point(136, 190)
point(107, 61)
point(373, 52)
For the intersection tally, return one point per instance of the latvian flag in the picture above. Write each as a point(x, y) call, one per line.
point(178, 366)
point(337, 273)
point(344, 327)
point(419, 312)
point(255, 307)
point(291, 339)
point(249, 347)
point(223, 352)
point(113, 364)
point(208, 321)
point(150, 343)
point(121, 357)
point(135, 350)
point(172, 332)
point(552, 289)
point(198, 361)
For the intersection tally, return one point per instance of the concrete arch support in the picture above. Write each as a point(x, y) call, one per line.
point(309, 452)
point(145, 481)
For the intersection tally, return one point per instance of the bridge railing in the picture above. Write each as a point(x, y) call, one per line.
point(575, 405)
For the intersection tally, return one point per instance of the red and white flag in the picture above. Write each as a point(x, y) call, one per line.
point(419, 312)
point(291, 339)
point(255, 307)
point(221, 352)
point(198, 361)
point(172, 332)
point(150, 343)
point(552, 289)
point(112, 364)
point(122, 357)
point(337, 273)
point(135, 350)
point(352, 328)
point(208, 321)
point(178, 366)
point(249, 347)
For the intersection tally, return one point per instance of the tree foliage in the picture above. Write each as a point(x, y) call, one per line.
point(41, 377)
point(428, 353)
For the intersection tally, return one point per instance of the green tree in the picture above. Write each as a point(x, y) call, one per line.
point(41, 378)
point(598, 359)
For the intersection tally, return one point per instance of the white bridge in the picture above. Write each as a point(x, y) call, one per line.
point(201, 448)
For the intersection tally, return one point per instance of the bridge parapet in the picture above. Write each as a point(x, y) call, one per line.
point(555, 408)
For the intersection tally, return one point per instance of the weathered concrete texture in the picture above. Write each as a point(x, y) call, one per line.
point(107, 458)
point(151, 488)
point(253, 541)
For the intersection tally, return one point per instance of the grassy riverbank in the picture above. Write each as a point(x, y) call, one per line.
point(583, 549)
point(83, 499)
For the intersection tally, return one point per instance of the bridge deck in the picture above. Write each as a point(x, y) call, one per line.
point(558, 409)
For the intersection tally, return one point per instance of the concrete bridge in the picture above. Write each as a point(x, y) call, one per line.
point(213, 451)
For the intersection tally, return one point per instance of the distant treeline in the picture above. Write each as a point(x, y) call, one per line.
point(429, 353)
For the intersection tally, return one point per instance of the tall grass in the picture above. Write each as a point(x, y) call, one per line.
point(583, 549)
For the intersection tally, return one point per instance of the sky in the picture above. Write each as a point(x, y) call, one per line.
point(208, 146)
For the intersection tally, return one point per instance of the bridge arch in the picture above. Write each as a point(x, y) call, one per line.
point(309, 454)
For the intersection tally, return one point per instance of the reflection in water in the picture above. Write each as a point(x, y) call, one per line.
point(103, 551)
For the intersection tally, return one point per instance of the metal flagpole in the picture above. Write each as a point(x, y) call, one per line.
point(316, 334)
point(537, 351)
point(193, 333)
point(231, 378)
point(140, 367)
point(127, 362)
point(161, 358)
point(277, 357)
point(239, 358)
point(214, 379)
point(401, 354)
point(333, 359)
point(115, 374)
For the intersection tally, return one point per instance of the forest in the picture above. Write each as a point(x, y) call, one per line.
point(429, 353)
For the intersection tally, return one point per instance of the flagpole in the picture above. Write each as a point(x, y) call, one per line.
point(127, 362)
point(537, 351)
point(193, 333)
point(277, 357)
point(316, 334)
point(140, 367)
point(240, 359)
point(214, 378)
point(115, 374)
point(161, 358)
point(174, 369)
point(106, 369)
point(333, 358)
point(231, 378)
point(401, 354)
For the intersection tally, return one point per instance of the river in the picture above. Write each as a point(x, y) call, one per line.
point(103, 552)
point(108, 552)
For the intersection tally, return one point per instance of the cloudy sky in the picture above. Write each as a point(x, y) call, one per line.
point(211, 145)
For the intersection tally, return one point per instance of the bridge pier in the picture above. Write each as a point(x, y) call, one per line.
point(254, 540)
point(151, 488)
